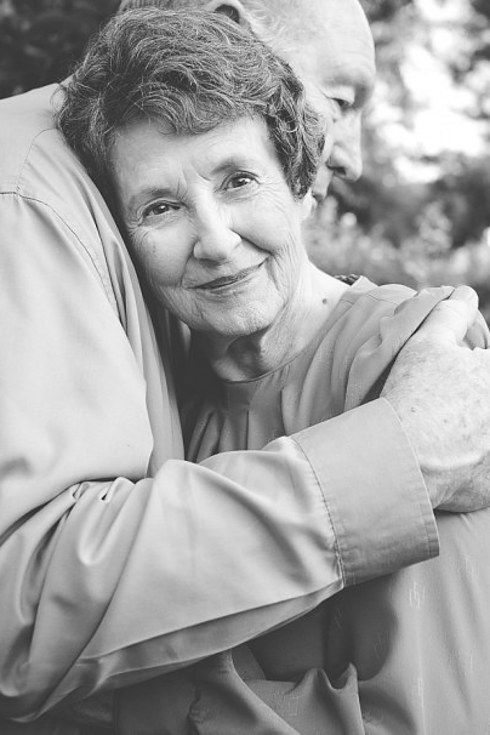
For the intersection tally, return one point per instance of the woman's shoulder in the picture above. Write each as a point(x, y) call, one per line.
point(376, 323)
point(362, 287)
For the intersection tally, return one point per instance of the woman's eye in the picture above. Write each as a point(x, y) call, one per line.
point(238, 181)
point(159, 208)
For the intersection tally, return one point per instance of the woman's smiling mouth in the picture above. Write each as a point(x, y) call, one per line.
point(230, 279)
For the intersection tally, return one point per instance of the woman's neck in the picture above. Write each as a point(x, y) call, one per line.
point(248, 357)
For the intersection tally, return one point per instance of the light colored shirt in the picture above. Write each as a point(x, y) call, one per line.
point(406, 654)
point(118, 559)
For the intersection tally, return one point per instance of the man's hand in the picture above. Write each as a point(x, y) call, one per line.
point(440, 390)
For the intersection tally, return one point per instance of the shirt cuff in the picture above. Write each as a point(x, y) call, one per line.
point(373, 489)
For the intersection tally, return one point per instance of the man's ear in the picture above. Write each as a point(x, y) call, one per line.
point(233, 9)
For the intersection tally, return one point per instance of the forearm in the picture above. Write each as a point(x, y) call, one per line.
point(126, 581)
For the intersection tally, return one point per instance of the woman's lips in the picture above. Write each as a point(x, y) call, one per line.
point(229, 280)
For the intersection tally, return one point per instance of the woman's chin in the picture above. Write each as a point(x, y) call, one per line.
point(240, 316)
point(234, 326)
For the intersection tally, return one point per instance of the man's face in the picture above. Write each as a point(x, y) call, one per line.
point(332, 51)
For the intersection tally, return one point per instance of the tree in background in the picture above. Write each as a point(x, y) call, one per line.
point(41, 39)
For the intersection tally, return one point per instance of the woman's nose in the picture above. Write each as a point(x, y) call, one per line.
point(215, 237)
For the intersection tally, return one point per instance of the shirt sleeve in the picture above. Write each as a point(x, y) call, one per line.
point(378, 504)
point(118, 560)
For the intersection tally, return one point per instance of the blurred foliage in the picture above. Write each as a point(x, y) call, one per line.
point(416, 229)
point(41, 39)
point(390, 226)
point(338, 245)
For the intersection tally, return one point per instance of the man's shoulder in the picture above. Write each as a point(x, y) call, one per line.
point(24, 120)
point(42, 180)
point(35, 161)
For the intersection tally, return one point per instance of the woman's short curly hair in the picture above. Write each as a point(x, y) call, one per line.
point(190, 71)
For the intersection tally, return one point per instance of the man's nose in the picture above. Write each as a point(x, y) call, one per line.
point(346, 156)
point(215, 237)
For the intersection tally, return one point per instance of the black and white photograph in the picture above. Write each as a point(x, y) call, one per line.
point(244, 367)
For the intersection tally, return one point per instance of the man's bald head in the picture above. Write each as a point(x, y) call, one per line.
point(292, 12)
point(277, 5)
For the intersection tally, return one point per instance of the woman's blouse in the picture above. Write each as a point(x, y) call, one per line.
point(342, 367)
point(362, 661)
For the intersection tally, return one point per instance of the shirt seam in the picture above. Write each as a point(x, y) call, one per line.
point(337, 549)
point(384, 299)
point(430, 528)
point(30, 198)
point(24, 162)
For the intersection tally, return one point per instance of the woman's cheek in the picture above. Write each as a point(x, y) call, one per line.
point(262, 229)
point(273, 220)
point(164, 256)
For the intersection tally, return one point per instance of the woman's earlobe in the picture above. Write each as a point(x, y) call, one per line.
point(233, 9)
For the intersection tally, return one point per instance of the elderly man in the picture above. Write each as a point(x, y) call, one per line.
point(97, 504)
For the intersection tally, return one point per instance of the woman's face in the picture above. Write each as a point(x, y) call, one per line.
point(212, 223)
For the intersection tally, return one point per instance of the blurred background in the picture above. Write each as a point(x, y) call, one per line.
point(421, 212)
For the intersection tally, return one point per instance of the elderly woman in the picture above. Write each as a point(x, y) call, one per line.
point(204, 142)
